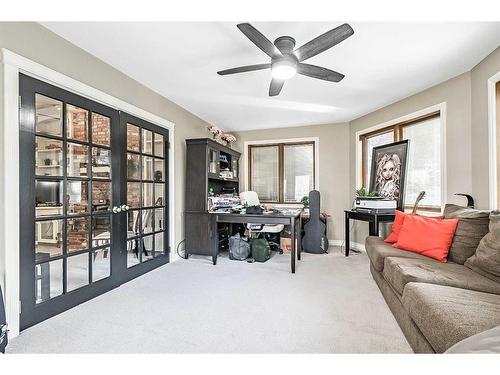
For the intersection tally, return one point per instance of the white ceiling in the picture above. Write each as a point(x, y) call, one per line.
point(383, 62)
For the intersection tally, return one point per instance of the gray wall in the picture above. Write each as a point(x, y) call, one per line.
point(333, 165)
point(479, 111)
point(37, 43)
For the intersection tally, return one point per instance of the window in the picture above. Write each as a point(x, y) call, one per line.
point(282, 172)
point(424, 157)
point(265, 172)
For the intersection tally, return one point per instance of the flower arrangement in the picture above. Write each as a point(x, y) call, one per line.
point(228, 137)
point(215, 131)
point(219, 135)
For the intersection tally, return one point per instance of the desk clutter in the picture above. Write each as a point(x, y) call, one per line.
point(254, 240)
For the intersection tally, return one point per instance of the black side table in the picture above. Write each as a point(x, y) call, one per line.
point(372, 218)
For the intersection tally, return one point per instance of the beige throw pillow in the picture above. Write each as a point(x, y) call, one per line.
point(472, 227)
point(486, 260)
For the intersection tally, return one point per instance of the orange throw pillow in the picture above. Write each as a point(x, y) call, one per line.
point(396, 227)
point(427, 236)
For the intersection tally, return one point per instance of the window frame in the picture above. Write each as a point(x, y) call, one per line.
point(281, 166)
point(397, 130)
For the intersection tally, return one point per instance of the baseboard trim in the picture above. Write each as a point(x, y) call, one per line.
point(354, 245)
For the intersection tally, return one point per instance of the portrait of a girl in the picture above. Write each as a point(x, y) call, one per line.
point(388, 176)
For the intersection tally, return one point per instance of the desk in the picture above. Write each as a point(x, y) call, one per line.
point(293, 220)
point(373, 219)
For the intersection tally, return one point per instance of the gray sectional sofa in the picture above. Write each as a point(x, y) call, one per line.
point(439, 304)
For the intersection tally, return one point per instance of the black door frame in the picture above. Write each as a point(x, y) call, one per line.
point(31, 312)
point(141, 268)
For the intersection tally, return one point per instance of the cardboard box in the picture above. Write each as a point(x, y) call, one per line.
point(286, 245)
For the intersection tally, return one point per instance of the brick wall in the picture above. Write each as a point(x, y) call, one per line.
point(100, 129)
point(101, 191)
point(133, 194)
point(133, 137)
point(77, 233)
point(77, 123)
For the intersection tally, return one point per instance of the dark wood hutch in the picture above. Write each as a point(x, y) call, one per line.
point(207, 166)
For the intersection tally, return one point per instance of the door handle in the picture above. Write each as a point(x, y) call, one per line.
point(116, 209)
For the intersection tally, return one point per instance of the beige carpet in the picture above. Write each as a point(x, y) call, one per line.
point(331, 305)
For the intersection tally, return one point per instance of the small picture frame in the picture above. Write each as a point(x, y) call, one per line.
point(388, 171)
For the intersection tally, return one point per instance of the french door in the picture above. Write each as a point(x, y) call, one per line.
point(93, 199)
point(144, 166)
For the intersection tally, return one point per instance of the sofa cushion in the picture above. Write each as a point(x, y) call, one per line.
point(378, 250)
point(486, 260)
point(447, 315)
point(472, 226)
point(401, 271)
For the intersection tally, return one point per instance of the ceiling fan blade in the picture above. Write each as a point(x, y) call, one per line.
point(247, 68)
point(319, 72)
point(276, 86)
point(324, 41)
point(259, 39)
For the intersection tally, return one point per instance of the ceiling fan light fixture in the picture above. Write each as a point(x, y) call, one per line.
point(286, 60)
point(284, 69)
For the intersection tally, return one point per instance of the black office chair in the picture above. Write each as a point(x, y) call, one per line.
point(3, 325)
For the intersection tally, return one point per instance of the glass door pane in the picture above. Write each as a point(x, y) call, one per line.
point(213, 162)
point(146, 189)
point(235, 167)
point(48, 116)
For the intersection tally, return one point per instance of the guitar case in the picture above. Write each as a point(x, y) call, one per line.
point(314, 240)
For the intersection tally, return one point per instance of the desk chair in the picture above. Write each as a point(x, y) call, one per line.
point(270, 231)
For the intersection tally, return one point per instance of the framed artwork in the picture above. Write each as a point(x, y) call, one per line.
point(388, 171)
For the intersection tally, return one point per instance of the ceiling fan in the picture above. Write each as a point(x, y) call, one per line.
point(286, 62)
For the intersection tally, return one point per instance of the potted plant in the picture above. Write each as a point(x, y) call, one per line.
point(365, 193)
point(305, 201)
